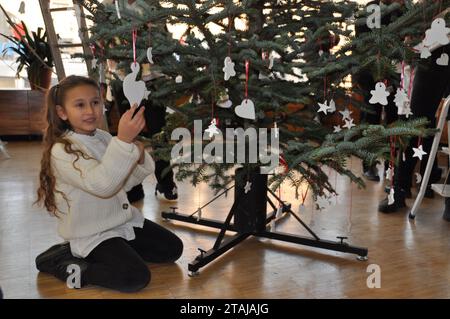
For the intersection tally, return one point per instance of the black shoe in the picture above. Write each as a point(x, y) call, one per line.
point(446, 215)
point(372, 174)
point(168, 192)
point(408, 193)
point(56, 259)
point(436, 175)
point(399, 202)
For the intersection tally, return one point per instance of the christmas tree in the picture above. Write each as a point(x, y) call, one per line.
point(285, 65)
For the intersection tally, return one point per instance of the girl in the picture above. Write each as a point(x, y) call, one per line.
point(85, 173)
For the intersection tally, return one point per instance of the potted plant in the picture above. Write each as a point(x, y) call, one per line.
point(34, 53)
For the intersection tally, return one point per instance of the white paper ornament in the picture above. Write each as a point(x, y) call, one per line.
point(323, 107)
point(150, 55)
point(135, 91)
point(246, 109)
point(425, 53)
point(320, 52)
point(391, 198)
point(437, 33)
point(400, 98)
point(228, 68)
point(331, 106)
point(212, 128)
point(389, 174)
point(247, 187)
point(179, 79)
point(379, 95)
point(408, 112)
point(419, 152)
point(346, 114)
point(442, 60)
point(418, 178)
point(348, 124)
point(337, 129)
point(271, 58)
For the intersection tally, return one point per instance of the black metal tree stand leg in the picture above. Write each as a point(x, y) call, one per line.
point(253, 221)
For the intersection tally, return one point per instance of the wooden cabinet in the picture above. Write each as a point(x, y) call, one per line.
point(22, 112)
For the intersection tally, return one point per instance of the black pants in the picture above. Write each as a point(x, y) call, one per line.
point(155, 119)
point(121, 265)
point(431, 84)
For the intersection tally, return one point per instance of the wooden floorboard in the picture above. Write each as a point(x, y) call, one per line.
point(413, 255)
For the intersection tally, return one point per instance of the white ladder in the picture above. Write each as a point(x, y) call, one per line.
point(53, 39)
point(441, 189)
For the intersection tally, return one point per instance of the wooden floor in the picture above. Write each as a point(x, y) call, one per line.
point(413, 255)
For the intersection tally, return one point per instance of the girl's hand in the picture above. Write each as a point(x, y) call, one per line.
point(141, 148)
point(129, 126)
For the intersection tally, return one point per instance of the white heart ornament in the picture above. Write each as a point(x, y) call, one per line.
point(246, 109)
point(442, 60)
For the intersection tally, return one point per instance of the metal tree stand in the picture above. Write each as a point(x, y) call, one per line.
point(222, 245)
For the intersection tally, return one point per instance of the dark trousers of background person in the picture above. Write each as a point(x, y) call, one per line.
point(431, 84)
point(155, 118)
point(121, 265)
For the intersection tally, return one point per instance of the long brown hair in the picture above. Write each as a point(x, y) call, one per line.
point(55, 133)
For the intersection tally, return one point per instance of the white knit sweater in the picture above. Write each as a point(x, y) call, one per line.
point(97, 190)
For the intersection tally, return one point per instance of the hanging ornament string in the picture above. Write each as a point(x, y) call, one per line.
point(247, 68)
point(149, 34)
point(391, 162)
point(304, 194)
point(134, 36)
point(402, 76)
point(213, 97)
point(419, 141)
point(230, 19)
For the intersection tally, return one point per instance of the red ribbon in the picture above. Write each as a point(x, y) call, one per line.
point(134, 35)
point(411, 80)
point(247, 67)
point(304, 195)
point(284, 163)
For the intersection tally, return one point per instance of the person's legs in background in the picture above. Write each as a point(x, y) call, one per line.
point(155, 118)
point(431, 84)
